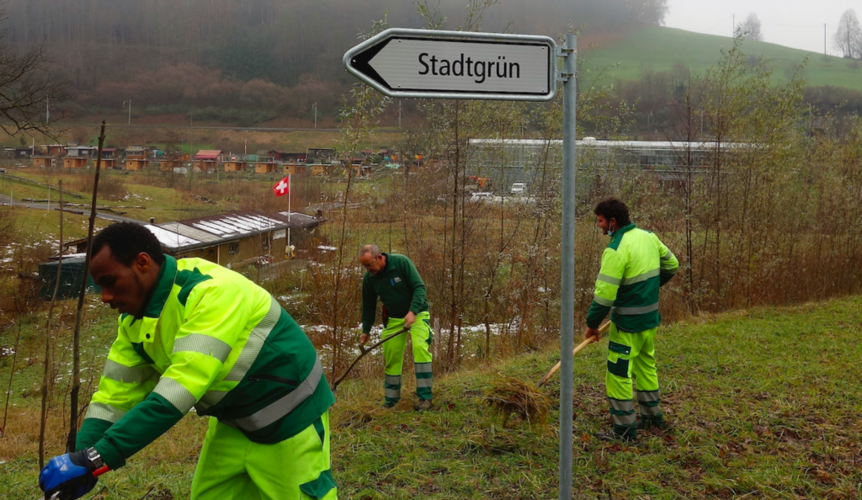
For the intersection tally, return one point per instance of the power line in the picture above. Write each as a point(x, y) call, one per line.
point(818, 26)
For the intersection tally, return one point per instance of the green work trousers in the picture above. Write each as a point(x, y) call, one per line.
point(632, 354)
point(393, 352)
point(233, 467)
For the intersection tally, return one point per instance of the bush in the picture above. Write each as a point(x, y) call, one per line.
point(111, 187)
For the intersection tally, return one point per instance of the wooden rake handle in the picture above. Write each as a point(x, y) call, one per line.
point(602, 330)
point(365, 350)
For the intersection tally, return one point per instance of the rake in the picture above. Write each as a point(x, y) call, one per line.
point(602, 330)
point(365, 350)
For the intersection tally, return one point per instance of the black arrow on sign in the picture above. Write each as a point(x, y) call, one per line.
point(361, 62)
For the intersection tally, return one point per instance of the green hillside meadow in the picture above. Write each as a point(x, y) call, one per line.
point(763, 403)
point(659, 48)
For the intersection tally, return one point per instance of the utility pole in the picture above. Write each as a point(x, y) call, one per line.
point(47, 111)
point(130, 109)
point(399, 113)
point(824, 39)
point(315, 115)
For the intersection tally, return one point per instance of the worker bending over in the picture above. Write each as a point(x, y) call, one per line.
point(194, 334)
point(394, 279)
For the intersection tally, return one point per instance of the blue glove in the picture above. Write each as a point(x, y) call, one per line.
point(71, 475)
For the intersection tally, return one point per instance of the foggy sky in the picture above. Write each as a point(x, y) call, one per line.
point(793, 23)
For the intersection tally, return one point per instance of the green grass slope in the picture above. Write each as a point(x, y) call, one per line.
point(762, 403)
point(659, 48)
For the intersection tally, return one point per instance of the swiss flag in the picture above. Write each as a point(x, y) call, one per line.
point(283, 187)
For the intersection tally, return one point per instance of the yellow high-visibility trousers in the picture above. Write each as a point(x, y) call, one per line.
point(233, 467)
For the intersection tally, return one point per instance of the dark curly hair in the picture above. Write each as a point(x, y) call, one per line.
point(126, 240)
point(612, 208)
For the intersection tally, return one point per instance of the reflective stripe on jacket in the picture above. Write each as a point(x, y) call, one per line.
point(634, 265)
point(211, 339)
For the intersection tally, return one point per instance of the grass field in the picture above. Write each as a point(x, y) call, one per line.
point(659, 48)
point(762, 404)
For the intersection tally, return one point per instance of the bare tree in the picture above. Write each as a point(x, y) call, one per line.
point(848, 38)
point(26, 86)
point(750, 28)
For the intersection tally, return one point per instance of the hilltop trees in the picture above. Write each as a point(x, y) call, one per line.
point(750, 28)
point(848, 38)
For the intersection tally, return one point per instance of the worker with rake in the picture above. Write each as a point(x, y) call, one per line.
point(394, 279)
point(634, 265)
point(195, 334)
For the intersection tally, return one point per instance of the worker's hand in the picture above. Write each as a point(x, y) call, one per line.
point(409, 320)
point(592, 332)
point(70, 475)
point(363, 338)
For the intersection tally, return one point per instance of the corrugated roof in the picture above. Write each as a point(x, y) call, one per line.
point(215, 229)
point(297, 219)
point(235, 224)
point(170, 239)
point(190, 232)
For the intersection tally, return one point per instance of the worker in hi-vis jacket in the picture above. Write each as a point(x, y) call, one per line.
point(634, 265)
point(193, 334)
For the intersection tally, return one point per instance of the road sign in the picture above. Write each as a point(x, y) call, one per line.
point(456, 65)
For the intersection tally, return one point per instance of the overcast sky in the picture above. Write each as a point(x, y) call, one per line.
point(793, 23)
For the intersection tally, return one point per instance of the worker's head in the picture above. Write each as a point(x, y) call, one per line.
point(125, 262)
point(611, 214)
point(372, 259)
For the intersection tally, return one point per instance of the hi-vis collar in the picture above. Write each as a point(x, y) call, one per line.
point(144, 329)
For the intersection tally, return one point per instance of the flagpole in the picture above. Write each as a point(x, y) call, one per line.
point(288, 209)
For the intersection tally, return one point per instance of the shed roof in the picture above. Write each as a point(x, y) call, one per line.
point(234, 224)
point(295, 219)
point(208, 154)
point(219, 229)
point(190, 232)
point(170, 239)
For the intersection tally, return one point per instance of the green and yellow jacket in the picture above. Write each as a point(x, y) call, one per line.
point(634, 265)
point(210, 339)
point(399, 287)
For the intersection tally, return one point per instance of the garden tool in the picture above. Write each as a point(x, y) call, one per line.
point(602, 330)
point(365, 350)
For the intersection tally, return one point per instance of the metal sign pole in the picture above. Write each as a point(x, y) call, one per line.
point(567, 309)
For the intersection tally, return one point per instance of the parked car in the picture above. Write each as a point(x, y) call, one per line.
point(518, 188)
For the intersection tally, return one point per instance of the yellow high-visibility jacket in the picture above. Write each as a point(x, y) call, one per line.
point(210, 339)
point(634, 265)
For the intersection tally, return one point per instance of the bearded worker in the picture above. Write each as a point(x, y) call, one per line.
point(393, 278)
point(194, 334)
point(634, 265)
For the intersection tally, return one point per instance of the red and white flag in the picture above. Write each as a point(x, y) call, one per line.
point(283, 187)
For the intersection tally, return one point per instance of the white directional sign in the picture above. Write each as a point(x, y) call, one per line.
point(456, 65)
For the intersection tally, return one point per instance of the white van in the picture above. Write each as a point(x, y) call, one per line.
point(518, 188)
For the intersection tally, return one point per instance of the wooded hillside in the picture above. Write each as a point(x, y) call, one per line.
point(174, 54)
